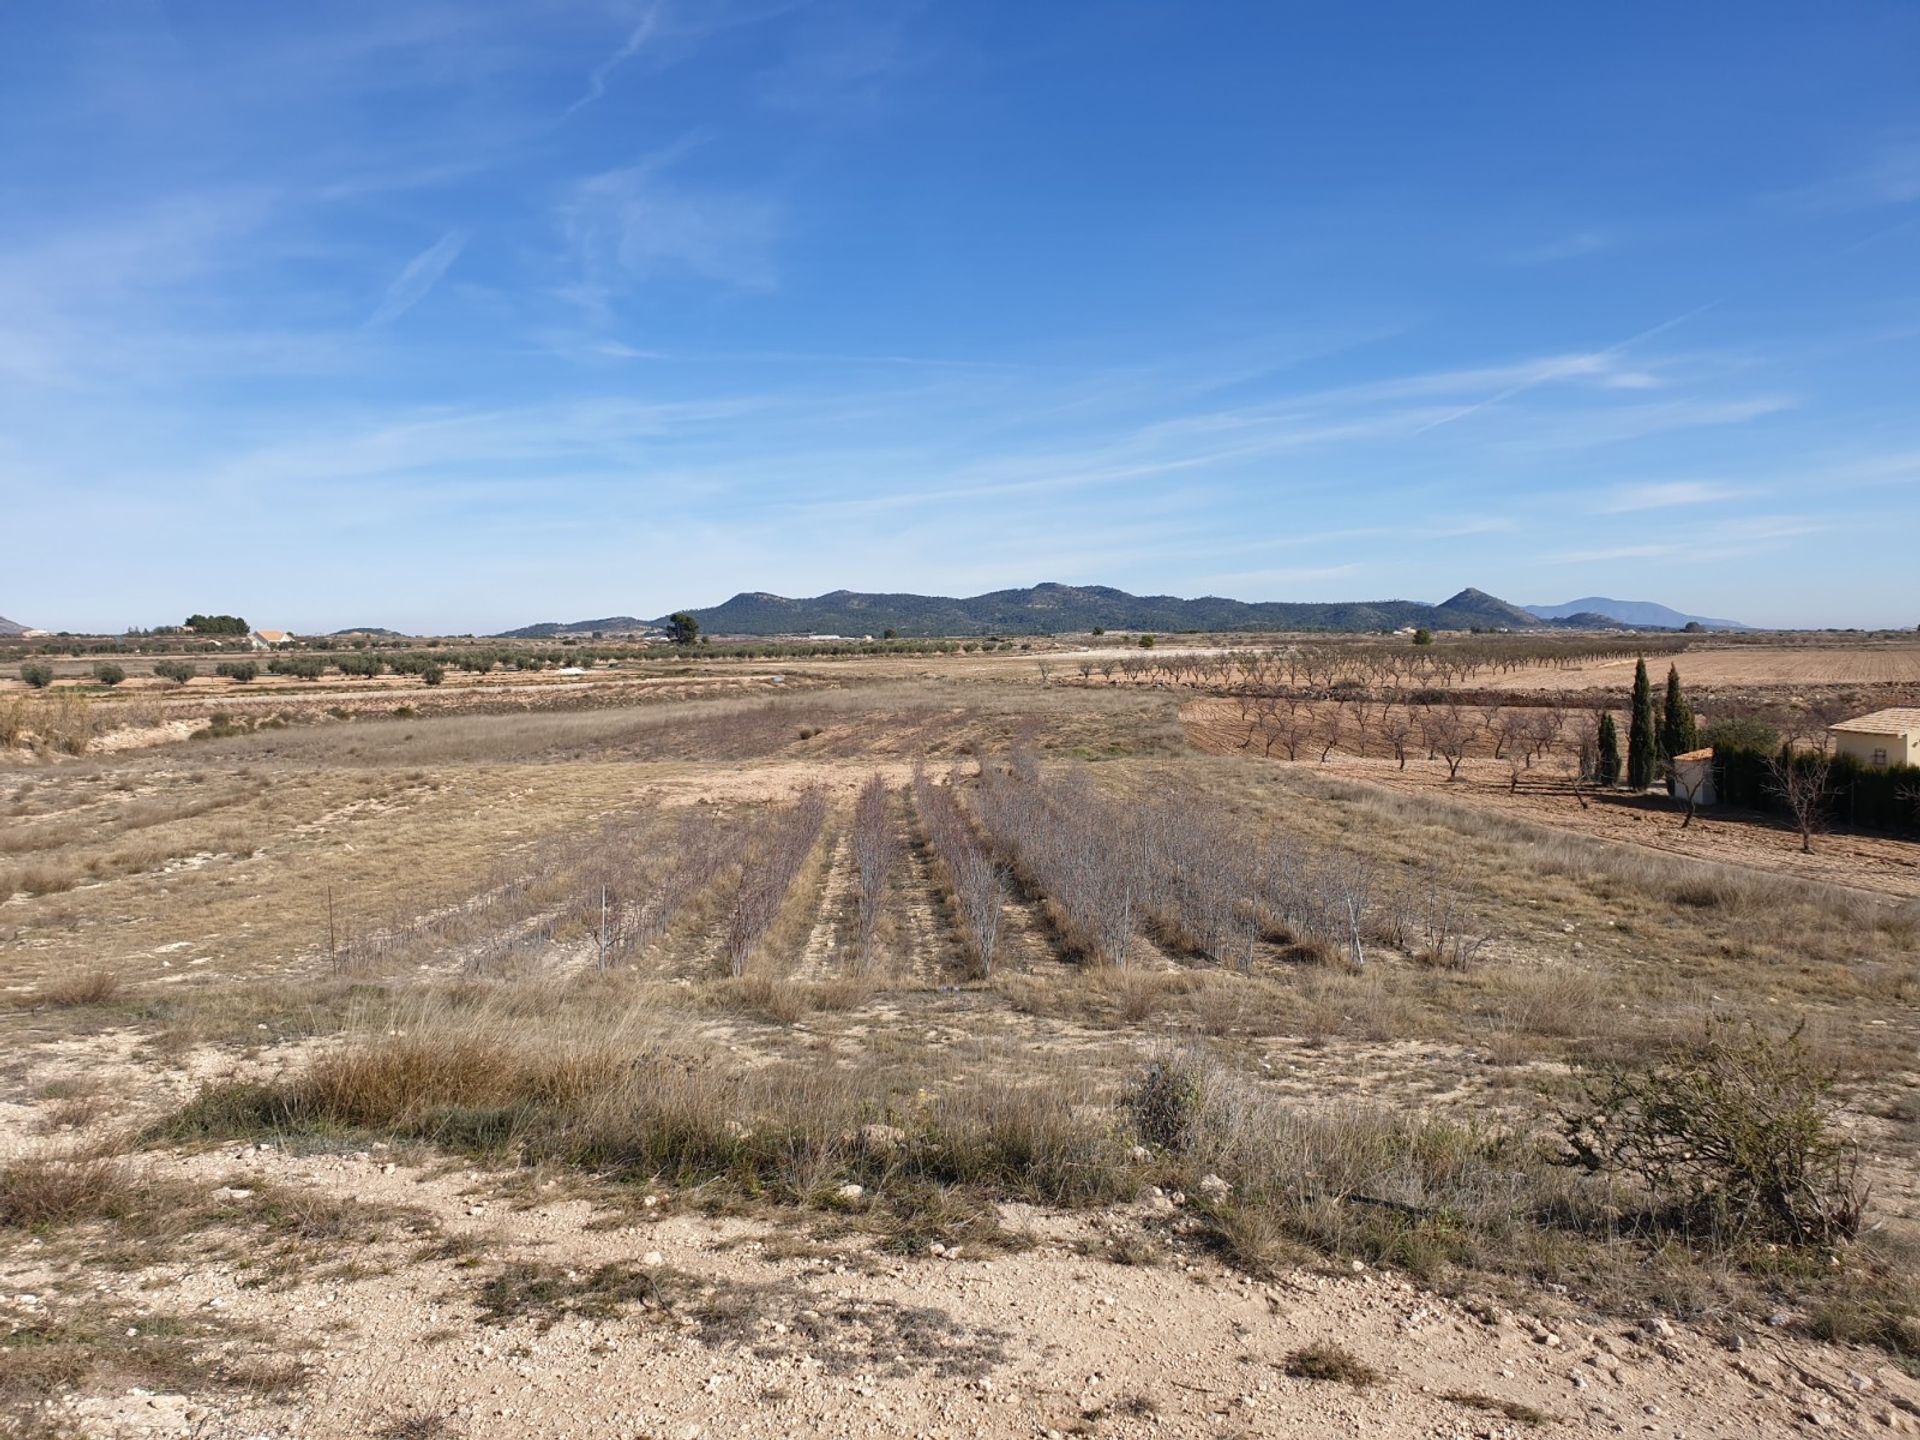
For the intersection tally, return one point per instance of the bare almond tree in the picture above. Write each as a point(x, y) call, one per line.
point(1330, 736)
point(1450, 733)
point(1289, 727)
point(1396, 727)
point(1689, 784)
point(1802, 781)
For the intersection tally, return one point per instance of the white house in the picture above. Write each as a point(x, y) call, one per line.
point(1886, 737)
point(269, 639)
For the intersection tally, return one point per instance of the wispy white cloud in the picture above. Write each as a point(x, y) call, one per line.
point(417, 278)
point(639, 222)
point(1889, 174)
point(1622, 423)
point(1265, 582)
point(1454, 528)
point(642, 32)
point(844, 59)
point(1710, 542)
point(1664, 495)
point(1573, 246)
point(1600, 362)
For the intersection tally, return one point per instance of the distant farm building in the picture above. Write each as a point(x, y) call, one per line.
point(1884, 738)
point(1692, 777)
point(269, 639)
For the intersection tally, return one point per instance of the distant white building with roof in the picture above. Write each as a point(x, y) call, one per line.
point(1886, 737)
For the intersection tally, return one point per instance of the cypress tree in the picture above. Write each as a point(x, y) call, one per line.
point(1606, 765)
point(1678, 734)
point(1643, 756)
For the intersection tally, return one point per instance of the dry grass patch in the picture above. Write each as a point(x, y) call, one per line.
point(784, 1001)
point(67, 1348)
point(117, 1215)
point(86, 987)
point(548, 1294)
point(1508, 1409)
point(1324, 1360)
point(41, 1192)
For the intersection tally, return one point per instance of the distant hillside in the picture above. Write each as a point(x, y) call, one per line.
point(610, 625)
point(1642, 613)
point(379, 630)
point(11, 627)
point(1053, 609)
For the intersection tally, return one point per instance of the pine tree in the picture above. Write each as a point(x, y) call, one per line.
point(1643, 756)
point(1606, 765)
point(1678, 734)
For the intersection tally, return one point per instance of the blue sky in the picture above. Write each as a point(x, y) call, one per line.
point(459, 316)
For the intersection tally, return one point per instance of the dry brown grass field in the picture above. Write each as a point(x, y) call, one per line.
point(936, 1046)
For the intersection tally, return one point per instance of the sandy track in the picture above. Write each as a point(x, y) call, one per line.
point(842, 1340)
point(826, 951)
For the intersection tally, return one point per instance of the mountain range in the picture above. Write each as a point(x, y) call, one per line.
point(1056, 609)
point(11, 627)
point(1643, 614)
point(607, 625)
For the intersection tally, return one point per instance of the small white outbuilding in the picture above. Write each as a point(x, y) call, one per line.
point(1692, 777)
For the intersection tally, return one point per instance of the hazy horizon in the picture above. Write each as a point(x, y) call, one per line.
point(453, 319)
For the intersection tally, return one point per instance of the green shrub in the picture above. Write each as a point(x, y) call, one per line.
point(1168, 1103)
point(108, 673)
point(219, 728)
point(1744, 732)
point(432, 674)
point(239, 671)
point(178, 671)
point(1729, 1140)
point(37, 673)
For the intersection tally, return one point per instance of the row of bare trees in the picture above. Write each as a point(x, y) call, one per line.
point(1290, 725)
point(1067, 843)
point(1203, 885)
point(786, 842)
point(1334, 667)
point(618, 888)
point(966, 866)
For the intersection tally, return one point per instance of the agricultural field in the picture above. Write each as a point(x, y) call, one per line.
point(1074, 1041)
point(1752, 664)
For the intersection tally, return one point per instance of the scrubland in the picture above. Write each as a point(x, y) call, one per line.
point(955, 1051)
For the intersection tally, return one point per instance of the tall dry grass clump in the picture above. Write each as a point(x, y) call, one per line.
point(58, 720)
point(585, 1089)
